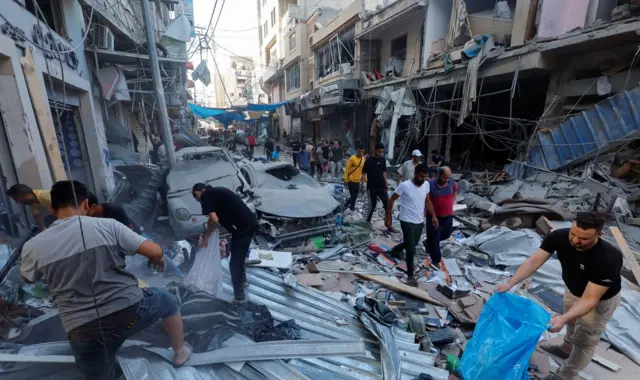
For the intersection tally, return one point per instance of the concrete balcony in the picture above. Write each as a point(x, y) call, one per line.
point(392, 13)
point(268, 74)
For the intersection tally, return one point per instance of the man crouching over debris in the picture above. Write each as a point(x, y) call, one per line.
point(591, 273)
point(82, 261)
point(226, 208)
point(413, 194)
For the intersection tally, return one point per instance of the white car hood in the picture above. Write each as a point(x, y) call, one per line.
point(299, 202)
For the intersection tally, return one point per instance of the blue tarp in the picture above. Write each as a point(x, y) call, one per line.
point(205, 112)
point(264, 107)
point(506, 335)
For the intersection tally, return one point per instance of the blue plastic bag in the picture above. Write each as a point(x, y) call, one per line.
point(506, 335)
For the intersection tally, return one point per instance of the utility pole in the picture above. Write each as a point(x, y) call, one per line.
point(157, 83)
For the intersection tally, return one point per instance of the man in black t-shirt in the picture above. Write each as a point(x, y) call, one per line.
point(226, 208)
point(107, 210)
point(269, 147)
point(295, 151)
point(375, 176)
point(591, 273)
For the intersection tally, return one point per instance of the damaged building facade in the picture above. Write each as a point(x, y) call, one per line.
point(488, 79)
point(477, 79)
point(76, 95)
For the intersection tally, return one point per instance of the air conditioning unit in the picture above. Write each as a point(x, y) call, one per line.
point(102, 37)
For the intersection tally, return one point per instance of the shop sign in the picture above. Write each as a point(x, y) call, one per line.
point(331, 94)
point(47, 41)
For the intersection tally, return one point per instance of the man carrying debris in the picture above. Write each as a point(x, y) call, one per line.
point(442, 192)
point(82, 261)
point(414, 195)
point(591, 273)
point(353, 176)
point(107, 210)
point(407, 169)
point(226, 208)
point(39, 200)
point(375, 176)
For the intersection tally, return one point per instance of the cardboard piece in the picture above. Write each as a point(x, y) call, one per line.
point(310, 279)
point(467, 309)
point(280, 259)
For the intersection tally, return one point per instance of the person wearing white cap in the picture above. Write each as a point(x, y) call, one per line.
point(406, 170)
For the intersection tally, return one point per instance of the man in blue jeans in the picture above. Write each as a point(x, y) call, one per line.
point(443, 191)
point(82, 261)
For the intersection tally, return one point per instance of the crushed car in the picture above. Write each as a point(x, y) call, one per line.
point(289, 197)
point(213, 166)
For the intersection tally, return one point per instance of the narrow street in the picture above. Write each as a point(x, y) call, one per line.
point(304, 189)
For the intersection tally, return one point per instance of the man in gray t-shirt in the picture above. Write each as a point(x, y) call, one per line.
point(82, 261)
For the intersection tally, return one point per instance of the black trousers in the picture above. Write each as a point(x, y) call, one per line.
point(354, 189)
point(268, 153)
point(251, 149)
point(240, 243)
point(436, 235)
point(411, 233)
point(294, 155)
point(374, 195)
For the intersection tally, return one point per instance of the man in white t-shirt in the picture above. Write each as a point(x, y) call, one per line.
point(407, 170)
point(413, 195)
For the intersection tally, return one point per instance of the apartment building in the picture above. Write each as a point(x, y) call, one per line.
point(75, 80)
point(283, 50)
point(474, 79)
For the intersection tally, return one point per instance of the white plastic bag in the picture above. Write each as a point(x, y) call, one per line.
point(206, 273)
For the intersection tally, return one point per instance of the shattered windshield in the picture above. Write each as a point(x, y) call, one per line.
point(285, 176)
point(217, 155)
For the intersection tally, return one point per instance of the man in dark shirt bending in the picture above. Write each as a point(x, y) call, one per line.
point(226, 208)
point(107, 210)
point(375, 175)
point(591, 273)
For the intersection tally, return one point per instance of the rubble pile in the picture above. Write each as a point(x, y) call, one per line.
point(334, 279)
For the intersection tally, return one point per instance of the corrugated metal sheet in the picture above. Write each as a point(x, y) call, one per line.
point(313, 311)
point(603, 127)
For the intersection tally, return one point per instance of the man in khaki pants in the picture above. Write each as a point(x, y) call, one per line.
point(591, 273)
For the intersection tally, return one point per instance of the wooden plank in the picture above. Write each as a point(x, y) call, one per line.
point(20, 358)
point(524, 20)
point(607, 363)
point(626, 251)
point(43, 116)
point(402, 288)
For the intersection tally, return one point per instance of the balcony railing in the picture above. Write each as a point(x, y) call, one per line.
point(387, 13)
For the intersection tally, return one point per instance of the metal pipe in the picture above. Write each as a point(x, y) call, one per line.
point(157, 83)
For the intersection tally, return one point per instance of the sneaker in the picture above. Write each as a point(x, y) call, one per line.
point(411, 281)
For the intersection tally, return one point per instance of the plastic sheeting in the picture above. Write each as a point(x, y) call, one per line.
point(5, 253)
point(623, 330)
point(512, 248)
point(504, 246)
point(504, 339)
point(206, 273)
